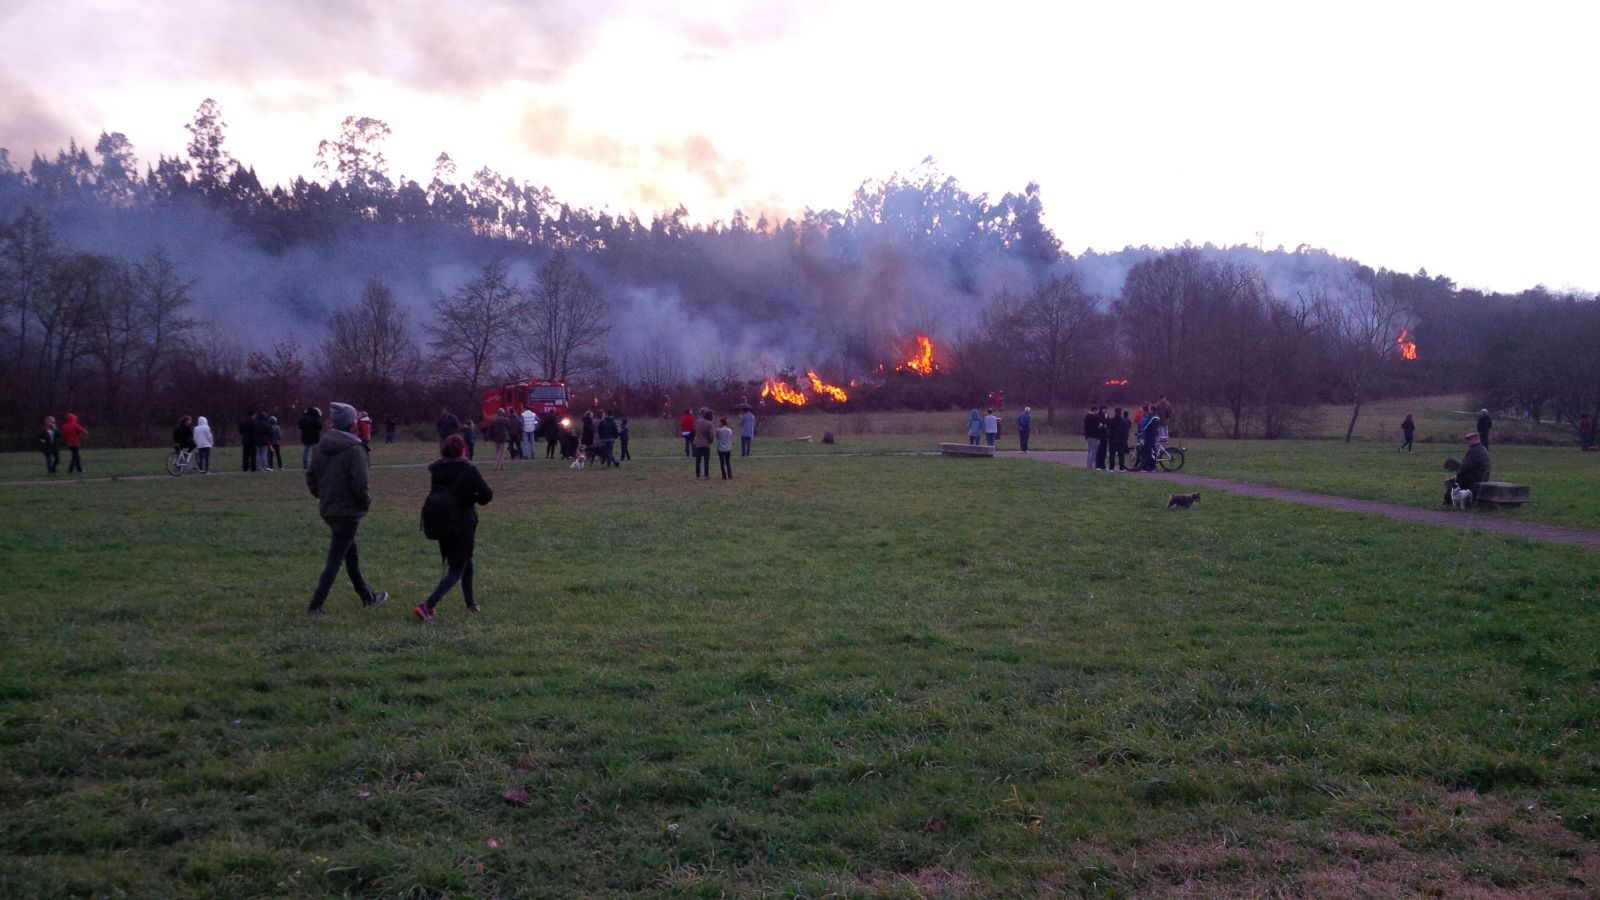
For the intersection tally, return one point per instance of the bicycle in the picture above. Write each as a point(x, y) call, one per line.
point(180, 461)
point(1169, 459)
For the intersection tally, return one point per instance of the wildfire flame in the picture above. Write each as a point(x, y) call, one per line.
point(782, 392)
point(1408, 349)
point(823, 389)
point(1117, 382)
point(922, 362)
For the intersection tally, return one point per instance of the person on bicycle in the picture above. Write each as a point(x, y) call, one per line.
point(183, 436)
point(1149, 434)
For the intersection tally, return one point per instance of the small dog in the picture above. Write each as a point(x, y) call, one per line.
point(1460, 498)
point(1182, 501)
point(577, 462)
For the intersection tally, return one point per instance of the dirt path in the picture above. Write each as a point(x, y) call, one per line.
point(1478, 520)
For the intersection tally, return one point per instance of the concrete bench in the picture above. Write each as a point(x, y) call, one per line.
point(966, 450)
point(1495, 494)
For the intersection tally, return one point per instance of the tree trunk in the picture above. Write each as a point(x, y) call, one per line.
point(1354, 414)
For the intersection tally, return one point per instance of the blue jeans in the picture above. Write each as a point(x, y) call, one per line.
point(305, 456)
point(527, 445)
point(52, 458)
point(341, 552)
point(203, 459)
point(990, 436)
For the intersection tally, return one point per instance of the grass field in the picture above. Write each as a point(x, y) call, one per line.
point(865, 674)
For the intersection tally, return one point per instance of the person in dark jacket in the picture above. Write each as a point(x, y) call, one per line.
point(1102, 453)
point(247, 440)
point(310, 433)
point(500, 434)
point(390, 427)
point(1120, 427)
point(1585, 432)
point(1408, 429)
point(605, 431)
point(337, 477)
point(183, 435)
point(1474, 467)
point(703, 436)
point(263, 433)
point(622, 439)
point(49, 441)
point(447, 425)
point(462, 479)
point(1092, 426)
point(1025, 427)
point(1484, 424)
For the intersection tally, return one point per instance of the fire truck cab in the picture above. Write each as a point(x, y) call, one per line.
point(546, 398)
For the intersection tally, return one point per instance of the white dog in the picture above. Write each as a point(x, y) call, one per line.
point(577, 462)
point(1460, 498)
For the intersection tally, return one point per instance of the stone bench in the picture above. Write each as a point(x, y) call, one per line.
point(1495, 494)
point(966, 450)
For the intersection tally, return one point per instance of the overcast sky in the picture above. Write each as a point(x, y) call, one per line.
point(1456, 137)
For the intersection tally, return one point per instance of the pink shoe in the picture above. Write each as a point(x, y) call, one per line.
point(422, 613)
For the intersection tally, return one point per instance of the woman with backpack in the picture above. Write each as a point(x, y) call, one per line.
point(449, 517)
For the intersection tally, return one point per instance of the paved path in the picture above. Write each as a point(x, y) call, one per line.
point(1475, 521)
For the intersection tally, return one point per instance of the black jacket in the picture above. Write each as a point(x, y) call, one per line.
point(338, 476)
point(464, 480)
point(1484, 423)
point(447, 425)
point(310, 429)
point(49, 441)
point(1091, 426)
point(247, 431)
point(1474, 467)
point(607, 429)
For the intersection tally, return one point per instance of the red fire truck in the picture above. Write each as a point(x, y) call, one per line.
point(545, 398)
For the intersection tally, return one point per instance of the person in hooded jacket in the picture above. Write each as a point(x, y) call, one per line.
point(203, 442)
point(183, 435)
point(974, 428)
point(310, 433)
point(247, 440)
point(263, 433)
point(72, 435)
point(275, 443)
point(462, 479)
point(337, 477)
point(49, 441)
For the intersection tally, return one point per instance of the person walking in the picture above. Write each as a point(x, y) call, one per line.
point(530, 427)
point(747, 431)
point(622, 438)
point(337, 477)
point(974, 428)
point(1484, 424)
point(701, 439)
point(500, 434)
point(72, 435)
point(686, 428)
point(1091, 436)
point(310, 433)
point(605, 431)
point(247, 440)
point(1025, 427)
point(464, 484)
point(1408, 429)
point(991, 428)
point(725, 450)
point(1585, 432)
point(203, 442)
point(49, 442)
point(469, 433)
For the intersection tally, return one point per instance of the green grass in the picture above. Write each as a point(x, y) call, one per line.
point(859, 674)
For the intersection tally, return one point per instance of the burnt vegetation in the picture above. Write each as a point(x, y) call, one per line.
point(131, 293)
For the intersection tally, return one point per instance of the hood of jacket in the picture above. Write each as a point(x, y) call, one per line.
point(335, 442)
point(202, 423)
point(72, 419)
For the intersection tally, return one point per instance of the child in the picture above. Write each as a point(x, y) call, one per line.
point(72, 435)
point(725, 449)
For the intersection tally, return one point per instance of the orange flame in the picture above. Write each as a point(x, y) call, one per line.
point(922, 362)
point(822, 388)
point(1116, 382)
point(782, 392)
point(1408, 349)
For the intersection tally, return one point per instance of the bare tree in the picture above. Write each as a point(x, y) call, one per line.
point(369, 349)
point(1050, 329)
point(476, 327)
point(567, 321)
point(1366, 316)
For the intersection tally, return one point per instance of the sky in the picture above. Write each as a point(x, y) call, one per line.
point(1457, 137)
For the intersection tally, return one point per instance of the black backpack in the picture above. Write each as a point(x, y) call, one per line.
point(442, 515)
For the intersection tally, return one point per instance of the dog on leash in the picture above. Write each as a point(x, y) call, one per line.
point(1460, 498)
point(1182, 501)
point(577, 462)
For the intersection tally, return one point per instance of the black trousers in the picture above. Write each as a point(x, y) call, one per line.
point(249, 457)
point(702, 458)
point(341, 552)
point(725, 458)
point(744, 446)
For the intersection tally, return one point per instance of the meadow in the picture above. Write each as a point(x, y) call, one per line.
point(846, 671)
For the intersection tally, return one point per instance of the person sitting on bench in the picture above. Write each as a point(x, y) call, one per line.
point(1474, 467)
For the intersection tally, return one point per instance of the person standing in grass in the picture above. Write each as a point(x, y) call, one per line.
point(1484, 424)
point(725, 449)
point(500, 434)
point(203, 442)
point(447, 425)
point(1091, 436)
point(263, 437)
point(247, 440)
point(1119, 427)
point(1585, 432)
point(974, 428)
point(1408, 429)
point(622, 438)
point(49, 441)
point(337, 477)
point(747, 431)
point(686, 428)
point(275, 443)
point(310, 433)
point(1024, 427)
point(390, 426)
point(700, 440)
point(463, 482)
point(72, 435)
point(530, 427)
point(605, 431)
point(991, 428)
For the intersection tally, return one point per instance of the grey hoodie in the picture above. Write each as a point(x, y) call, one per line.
point(338, 476)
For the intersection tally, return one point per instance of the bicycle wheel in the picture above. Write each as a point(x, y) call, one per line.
point(174, 466)
point(1172, 461)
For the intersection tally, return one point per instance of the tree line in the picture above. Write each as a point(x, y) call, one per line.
point(112, 300)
